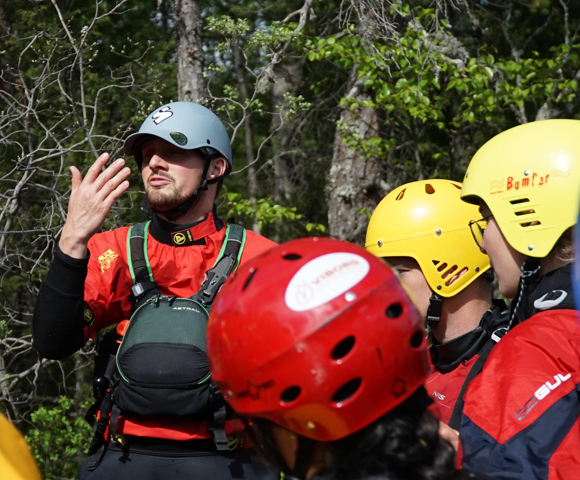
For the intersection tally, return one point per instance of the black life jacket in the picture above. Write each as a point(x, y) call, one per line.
point(162, 362)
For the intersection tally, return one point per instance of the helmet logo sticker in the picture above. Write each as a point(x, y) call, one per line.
point(162, 115)
point(324, 279)
point(179, 138)
point(525, 181)
point(529, 179)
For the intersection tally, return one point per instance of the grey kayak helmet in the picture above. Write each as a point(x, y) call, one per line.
point(186, 125)
point(189, 126)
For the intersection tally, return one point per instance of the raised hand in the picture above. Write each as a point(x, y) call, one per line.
point(90, 202)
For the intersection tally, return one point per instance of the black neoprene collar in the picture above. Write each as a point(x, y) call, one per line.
point(164, 231)
point(447, 356)
point(549, 292)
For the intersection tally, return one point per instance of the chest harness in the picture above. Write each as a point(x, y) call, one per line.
point(157, 365)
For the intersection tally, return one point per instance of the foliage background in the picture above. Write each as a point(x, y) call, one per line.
point(330, 105)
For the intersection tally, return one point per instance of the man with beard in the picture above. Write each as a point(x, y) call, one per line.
point(166, 429)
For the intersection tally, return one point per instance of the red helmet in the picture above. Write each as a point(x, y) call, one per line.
point(318, 336)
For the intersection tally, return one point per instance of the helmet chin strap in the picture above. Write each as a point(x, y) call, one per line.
point(434, 312)
point(529, 271)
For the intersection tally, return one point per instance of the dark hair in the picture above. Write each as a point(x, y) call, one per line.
point(401, 445)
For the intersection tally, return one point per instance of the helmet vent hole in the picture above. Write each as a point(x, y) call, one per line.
point(292, 256)
point(290, 394)
point(456, 276)
point(417, 339)
point(394, 311)
point(429, 189)
point(342, 348)
point(524, 212)
point(441, 267)
point(401, 195)
point(449, 272)
point(530, 224)
point(248, 280)
point(435, 262)
point(458, 187)
point(347, 390)
point(208, 142)
point(519, 200)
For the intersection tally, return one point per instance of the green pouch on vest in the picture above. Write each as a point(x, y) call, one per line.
point(162, 361)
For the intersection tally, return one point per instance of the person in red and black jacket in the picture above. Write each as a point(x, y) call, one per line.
point(422, 230)
point(183, 152)
point(521, 417)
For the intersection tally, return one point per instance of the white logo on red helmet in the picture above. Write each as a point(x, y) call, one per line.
point(161, 115)
point(323, 279)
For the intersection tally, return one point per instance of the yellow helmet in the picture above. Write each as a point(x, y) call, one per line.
point(16, 461)
point(529, 177)
point(427, 221)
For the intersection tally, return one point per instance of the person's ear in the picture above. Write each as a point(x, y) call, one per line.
point(217, 168)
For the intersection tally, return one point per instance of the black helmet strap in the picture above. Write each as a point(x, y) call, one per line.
point(434, 311)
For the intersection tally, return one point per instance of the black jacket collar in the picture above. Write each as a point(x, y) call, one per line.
point(185, 235)
point(552, 291)
point(447, 356)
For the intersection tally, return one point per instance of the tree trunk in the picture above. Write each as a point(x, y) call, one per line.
point(354, 181)
point(190, 82)
point(288, 78)
point(239, 64)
